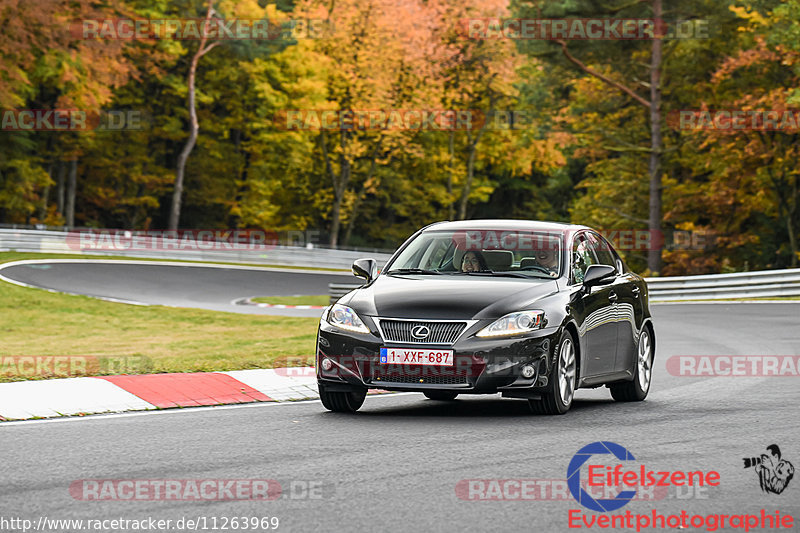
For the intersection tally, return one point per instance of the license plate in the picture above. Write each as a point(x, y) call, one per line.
point(415, 356)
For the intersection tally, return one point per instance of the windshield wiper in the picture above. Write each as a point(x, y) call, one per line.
point(412, 271)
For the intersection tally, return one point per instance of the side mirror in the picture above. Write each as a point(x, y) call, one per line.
point(365, 268)
point(597, 274)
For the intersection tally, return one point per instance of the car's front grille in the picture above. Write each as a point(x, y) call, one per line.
point(438, 332)
point(419, 374)
point(449, 375)
point(434, 380)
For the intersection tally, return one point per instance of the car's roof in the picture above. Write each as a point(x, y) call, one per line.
point(507, 225)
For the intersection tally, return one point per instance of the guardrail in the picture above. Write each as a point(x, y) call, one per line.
point(337, 290)
point(24, 240)
point(762, 284)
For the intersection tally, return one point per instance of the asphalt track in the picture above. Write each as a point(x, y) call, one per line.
point(395, 465)
point(182, 285)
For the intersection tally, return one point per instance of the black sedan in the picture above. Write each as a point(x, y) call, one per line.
point(531, 310)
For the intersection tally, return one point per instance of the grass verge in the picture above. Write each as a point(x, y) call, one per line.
point(161, 339)
point(321, 299)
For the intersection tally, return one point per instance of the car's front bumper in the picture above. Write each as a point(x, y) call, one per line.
point(480, 366)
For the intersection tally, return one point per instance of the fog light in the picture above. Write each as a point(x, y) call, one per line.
point(327, 364)
point(528, 371)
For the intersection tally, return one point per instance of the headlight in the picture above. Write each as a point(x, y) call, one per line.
point(514, 324)
point(343, 317)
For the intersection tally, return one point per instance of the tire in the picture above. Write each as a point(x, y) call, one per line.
point(341, 402)
point(440, 396)
point(557, 400)
point(636, 390)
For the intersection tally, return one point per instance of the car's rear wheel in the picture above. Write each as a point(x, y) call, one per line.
point(440, 396)
point(563, 380)
point(341, 402)
point(636, 390)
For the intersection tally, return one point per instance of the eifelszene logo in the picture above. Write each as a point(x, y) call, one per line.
point(774, 473)
point(574, 476)
point(605, 478)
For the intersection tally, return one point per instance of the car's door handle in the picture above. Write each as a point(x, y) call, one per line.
point(612, 297)
point(636, 291)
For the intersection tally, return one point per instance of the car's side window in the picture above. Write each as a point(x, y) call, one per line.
point(582, 258)
point(603, 251)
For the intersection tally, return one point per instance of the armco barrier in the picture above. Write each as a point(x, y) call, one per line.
point(763, 284)
point(337, 290)
point(24, 240)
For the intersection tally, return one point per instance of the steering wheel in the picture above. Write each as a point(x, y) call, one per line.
point(539, 268)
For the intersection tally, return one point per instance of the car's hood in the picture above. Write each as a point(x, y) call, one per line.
point(442, 297)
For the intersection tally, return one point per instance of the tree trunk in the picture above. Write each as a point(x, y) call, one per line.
point(351, 224)
point(46, 195)
point(360, 197)
point(62, 177)
point(791, 209)
point(451, 211)
point(792, 241)
point(72, 182)
point(340, 183)
point(194, 127)
point(654, 218)
point(656, 141)
point(472, 146)
point(462, 204)
point(473, 151)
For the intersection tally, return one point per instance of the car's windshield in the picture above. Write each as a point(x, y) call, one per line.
point(480, 252)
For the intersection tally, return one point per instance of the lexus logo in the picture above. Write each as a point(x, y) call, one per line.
point(420, 332)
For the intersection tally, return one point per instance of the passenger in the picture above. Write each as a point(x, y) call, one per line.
point(473, 262)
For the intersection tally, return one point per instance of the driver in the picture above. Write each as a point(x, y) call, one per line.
point(547, 259)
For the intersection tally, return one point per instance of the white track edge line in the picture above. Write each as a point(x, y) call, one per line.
point(174, 410)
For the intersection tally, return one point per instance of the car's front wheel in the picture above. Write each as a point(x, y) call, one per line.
point(636, 390)
point(440, 396)
point(341, 402)
point(563, 380)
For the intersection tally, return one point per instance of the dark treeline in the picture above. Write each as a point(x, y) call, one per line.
point(596, 133)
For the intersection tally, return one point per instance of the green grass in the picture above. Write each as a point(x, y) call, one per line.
point(155, 339)
point(321, 299)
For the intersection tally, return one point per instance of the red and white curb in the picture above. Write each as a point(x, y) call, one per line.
point(249, 301)
point(23, 400)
